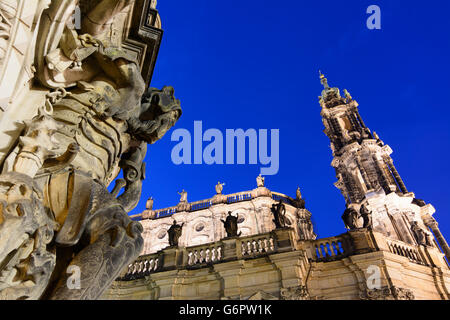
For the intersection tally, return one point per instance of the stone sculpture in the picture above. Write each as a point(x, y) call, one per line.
point(366, 214)
point(299, 201)
point(149, 204)
point(422, 237)
point(219, 187)
point(174, 233)
point(260, 180)
point(278, 211)
point(55, 209)
point(183, 196)
point(231, 226)
point(350, 218)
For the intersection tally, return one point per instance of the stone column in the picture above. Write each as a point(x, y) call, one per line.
point(397, 177)
point(433, 225)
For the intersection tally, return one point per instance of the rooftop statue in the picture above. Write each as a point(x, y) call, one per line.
point(149, 204)
point(260, 180)
point(183, 196)
point(219, 187)
point(56, 209)
point(300, 202)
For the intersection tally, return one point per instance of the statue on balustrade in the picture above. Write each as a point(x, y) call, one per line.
point(260, 180)
point(366, 214)
point(149, 204)
point(56, 213)
point(279, 211)
point(422, 237)
point(350, 218)
point(299, 201)
point(183, 196)
point(174, 233)
point(219, 187)
point(231, 226)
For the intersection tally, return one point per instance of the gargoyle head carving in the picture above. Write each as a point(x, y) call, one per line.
point(159, 112)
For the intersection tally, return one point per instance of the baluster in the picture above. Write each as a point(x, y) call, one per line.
point(255, 249)
point(324, 250)
point(219, 253)
point(208, 255)
point(272, 246)
point(195, 257)
point(266, 245)
point(249, 247)
point(318, 253)
point(145, 266)
point(330, 244)
point(243, 249)
point(260, 246)
point(130, 268)
point(213, 254)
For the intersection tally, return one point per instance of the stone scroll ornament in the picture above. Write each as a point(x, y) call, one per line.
point(56, 213)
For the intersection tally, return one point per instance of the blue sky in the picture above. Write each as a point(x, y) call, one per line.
point(254, 64)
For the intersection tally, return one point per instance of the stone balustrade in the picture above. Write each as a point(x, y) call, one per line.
point(228, 249)
point(143, 266)
point(405, 250)
point(328, 249)
point(211, 253)
point(257, 245)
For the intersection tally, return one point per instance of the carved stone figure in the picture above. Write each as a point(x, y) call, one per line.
point(149, 204)
point(260, 181)
point(183, 196)
point(231, 225)
point(279, 211)
point(305, 226)
point(299, 201)
point(219, 187)
point(367, 216)
point(56, 208)
point(298, 194)
point(350, 218)
point(419, 234)
point(174, 233)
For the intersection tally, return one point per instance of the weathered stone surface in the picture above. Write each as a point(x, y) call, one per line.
point(94, 119)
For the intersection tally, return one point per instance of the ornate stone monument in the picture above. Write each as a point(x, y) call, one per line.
point(86, 115)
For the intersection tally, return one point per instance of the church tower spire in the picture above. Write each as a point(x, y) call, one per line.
point(376, 195)
point(362, 161)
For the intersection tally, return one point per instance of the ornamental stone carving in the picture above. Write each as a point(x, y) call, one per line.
point(387, 293)
point(56, 212)
point(295, 293)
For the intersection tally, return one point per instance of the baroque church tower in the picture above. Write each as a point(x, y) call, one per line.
point(376, 196)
